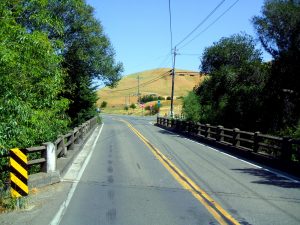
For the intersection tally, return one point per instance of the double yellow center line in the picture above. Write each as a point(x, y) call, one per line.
point(220, 214)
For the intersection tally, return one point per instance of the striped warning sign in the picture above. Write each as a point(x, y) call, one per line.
point(18, 172)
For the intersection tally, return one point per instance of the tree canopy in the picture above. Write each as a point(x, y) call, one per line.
point(52, 52)
point(278, 29)
point(31, 80)
point(243, 91)
point(236, 78)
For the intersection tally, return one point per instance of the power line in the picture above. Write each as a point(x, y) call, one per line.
point(202, 22)
point(211, 24)
point(142, 84)
point(165, 60)
point(171, 33)
point(190, 54)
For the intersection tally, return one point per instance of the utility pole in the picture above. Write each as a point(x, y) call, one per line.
point(138, 92)
point(173, 80)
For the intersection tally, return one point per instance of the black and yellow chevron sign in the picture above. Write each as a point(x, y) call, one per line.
point(18, 172)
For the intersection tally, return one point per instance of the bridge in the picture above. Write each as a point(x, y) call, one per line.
point(130, 172)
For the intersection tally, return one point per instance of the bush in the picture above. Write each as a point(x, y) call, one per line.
point(191, 107)
point(103, 104)
point(9, 203)
point(154, 110)
point(132, 106)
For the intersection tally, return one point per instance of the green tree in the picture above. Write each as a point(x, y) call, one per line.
point(232, 94)
point(87, 53)
point(191, 107)
point(278, 29)
point(31, 81)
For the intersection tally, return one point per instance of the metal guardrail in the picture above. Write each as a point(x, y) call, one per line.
point(282, 148)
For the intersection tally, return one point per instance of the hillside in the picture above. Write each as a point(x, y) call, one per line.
point(157, 81)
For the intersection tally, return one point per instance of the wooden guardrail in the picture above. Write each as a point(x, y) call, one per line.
point(62, 145)
point(38, 157)
point(282, 148)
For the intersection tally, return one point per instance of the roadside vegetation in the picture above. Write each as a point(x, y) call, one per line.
point(51, 53)
point(245, 92)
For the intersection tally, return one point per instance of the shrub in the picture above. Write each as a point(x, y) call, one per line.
point(103, 104)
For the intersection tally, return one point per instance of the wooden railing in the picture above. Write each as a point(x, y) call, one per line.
point(282, 148)
point(63, 144)
point(44, 158)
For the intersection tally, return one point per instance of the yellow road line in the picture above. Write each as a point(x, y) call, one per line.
point(220, 214)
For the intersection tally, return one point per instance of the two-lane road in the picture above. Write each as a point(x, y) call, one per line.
point(139, 174)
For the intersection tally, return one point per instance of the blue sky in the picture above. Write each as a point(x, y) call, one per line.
point(139, 29)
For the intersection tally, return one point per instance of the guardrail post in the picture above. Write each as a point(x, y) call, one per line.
point(62, 145)
point(236, 137)
point(286, 149)
point(187, 127)
point(184, 125)
point(172, 123)
point(256, 140)
point(195, 128)
point(220, 133)
point(76, 133)
point(207, 130)
point(191, 128)
point(175, 122)
point(179, 125)
point(50, 158)
point(71, 146)
point(80, 133)
point(198, 127)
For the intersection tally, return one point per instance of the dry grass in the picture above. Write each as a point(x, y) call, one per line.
point(126, 91)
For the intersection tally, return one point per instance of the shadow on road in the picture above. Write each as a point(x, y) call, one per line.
point(269, 178)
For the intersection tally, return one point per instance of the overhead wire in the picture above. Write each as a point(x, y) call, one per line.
point(201, 23)
point(211, 24)
point(142, 84)
point(170, 21)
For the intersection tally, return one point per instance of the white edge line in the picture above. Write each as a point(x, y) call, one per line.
point(57, 218)
point(252, 164)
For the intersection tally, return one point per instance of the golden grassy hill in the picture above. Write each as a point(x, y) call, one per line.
point(157, 81)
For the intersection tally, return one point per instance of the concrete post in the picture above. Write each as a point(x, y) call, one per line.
point(220, 133)
point(256, 140)
point(51, 157)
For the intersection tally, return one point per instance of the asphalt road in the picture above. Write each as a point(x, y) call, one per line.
point(126, 182)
